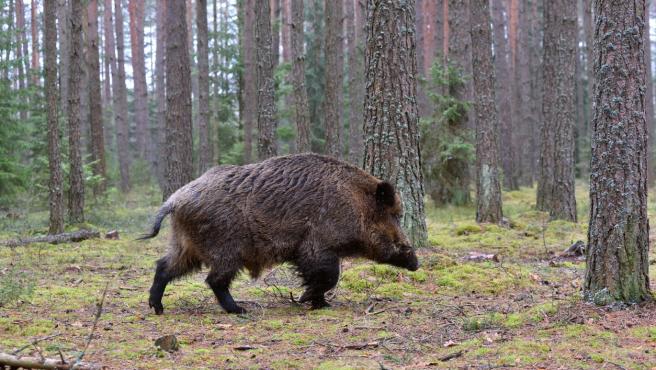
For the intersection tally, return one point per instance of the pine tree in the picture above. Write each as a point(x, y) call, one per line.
point(204, 149)
point(391, 116)
point(488, 191)
point(76, 177)
point(95, 103)
point(334, 47)
point(56, 185)
point(266, 110)
point(617, 267)
point(178, 99)
point(301, 111)
point(556, 192)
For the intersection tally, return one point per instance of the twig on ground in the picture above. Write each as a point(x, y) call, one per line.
point(451, 356)
point(99, 307)
point(34, 342)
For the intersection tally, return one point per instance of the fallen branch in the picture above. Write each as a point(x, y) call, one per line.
point(76, 236)
point(34, 343)
point(36, 363)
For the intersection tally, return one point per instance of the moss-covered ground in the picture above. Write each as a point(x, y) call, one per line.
point(523, 311)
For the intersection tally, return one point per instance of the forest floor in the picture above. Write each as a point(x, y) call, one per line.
point(523, 309)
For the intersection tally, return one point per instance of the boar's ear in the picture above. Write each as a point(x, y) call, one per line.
point(385, 194)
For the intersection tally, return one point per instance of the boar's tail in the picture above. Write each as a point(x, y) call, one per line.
point(161, 214)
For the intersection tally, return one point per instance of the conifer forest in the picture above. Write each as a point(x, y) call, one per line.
point(327, 184)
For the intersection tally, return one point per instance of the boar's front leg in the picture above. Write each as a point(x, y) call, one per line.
point(320, 275)
point(220, 281)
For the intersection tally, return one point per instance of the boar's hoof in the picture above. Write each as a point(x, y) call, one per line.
point(315, 302)
point(319, 304)
point(159, 309)
point(235, 309)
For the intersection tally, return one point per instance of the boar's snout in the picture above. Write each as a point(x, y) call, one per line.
point(405, 258)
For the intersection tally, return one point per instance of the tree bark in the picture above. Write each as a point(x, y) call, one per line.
point(275, 32)
point(63, 17)
point(56, 183)
point(250, 78)
point(556, 170)
point(205, 149)
point(178, 98)
point(460, 56)
point(391, 116)
point(109, 60)
point(137, 14)
point(356, 88)
point(95, 103)
point(160, 93)
point(20, 43)
point(76, 177)
point(121, 101)
point(35, 43)
point(503, 86)
point(617, 266)
point(334, 50)
point(649, 104)
point(488, 191)
point(301, 110)
point(286, 31)
point(266, 109)
point(515, 94)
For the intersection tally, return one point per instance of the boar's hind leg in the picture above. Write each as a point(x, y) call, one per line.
point(319, 277)
point(163, 275)
point(220, 281)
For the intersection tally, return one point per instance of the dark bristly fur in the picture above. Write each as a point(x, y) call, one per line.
point(306, 209)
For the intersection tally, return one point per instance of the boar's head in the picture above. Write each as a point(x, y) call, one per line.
point(388, 242)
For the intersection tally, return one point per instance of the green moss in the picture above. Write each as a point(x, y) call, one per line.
point(468, 228)
point(483, 278)
point(437, 262)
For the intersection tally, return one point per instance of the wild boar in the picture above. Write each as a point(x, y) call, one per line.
point(306, 209)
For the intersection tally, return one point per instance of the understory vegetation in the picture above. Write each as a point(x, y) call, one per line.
point(485, 296)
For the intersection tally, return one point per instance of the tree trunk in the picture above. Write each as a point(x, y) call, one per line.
point(334, 50)
point(76, 177)
point(109, 60)
point(266, 109)
point(250, 78)
point(137, 14)
point(649, 103)
point(56, 184)
point(286, 31)
point(205, 149)
point(20, 42)
point(95, 104)
point(488, 191)
point(526, 152)
point(391, 116)
point(63, 17)
point(556, 170)
point(121, 102)
point(617, 266)
point(301, 110)
point(178, 98)
point(275, 32)
point(35, 43)
point(503, 87)
point(356, 89)
point(160, 92)
point(515, 95)
point(460, 57)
